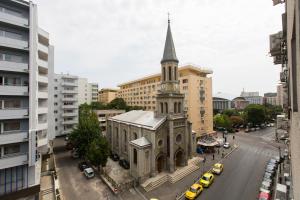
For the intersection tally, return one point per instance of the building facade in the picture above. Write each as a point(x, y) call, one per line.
point(104, 115)
point(160, 140)
point(106, 95)
point(270, 98)
point(26, 68)
point(252, 97)
point(221, 104)
point(65, 103)
point(239, 103)
point(87, 92)
point(285, 50)
point(194, 83)
point(281, 95)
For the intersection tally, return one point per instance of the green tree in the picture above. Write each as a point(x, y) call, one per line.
point(236, 120)
point(255, 114)
point(98, 106)
point(221, 120)
point(98, 152)
point(86, 131)
point(231, 112)
point(117, 103)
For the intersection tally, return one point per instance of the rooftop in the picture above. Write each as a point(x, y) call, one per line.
point(141, 142)
point(145, 119)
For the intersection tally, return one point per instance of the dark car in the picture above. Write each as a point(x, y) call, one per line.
point(83, 165)
point(124, 163)
point(114, 156)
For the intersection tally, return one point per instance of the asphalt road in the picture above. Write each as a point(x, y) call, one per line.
point(244, 168)
point(73, 184)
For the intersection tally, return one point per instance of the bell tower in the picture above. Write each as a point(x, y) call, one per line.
point(169, 100)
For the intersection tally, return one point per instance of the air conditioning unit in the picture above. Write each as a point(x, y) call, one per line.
point(275, 43)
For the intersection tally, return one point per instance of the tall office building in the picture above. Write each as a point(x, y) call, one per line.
point(65, 103)
point(87, 92)
point(194, 83)
point(26, 67)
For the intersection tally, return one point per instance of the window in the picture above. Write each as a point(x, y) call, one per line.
point(179, 107)
point(12, 103)
point(160, 143)
point(134, 136)
point(175, 107)
point(12, 12)
point(55, 88)
point(178, 138)
point(164, 74)
point(166, 105)
point(11, 149)
point(55, 95)
point(134, 156)
point(11, 126)
point(175, 73)
point(161, 107)
point(185, 81)
point(170, 73)
point(125, 141)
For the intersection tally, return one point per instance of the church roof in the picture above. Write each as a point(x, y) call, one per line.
point(145, 119)
point(169, 51)
point(141, 142)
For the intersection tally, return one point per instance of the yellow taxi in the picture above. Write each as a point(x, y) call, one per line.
point(207, 179)
point(217, 168)
point(194, 191)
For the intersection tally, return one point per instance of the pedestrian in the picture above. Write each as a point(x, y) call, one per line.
point(213, 156)
point(233, 137)
point(218, 151)
point(222, 155)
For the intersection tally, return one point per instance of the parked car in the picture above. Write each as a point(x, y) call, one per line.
point(264, 196)
point(247, 130)
point(207, 179)
point(218, 168)
point(67, 138)
point(193, 191)
point(124, 163)
point(114, 156)
point(82, 166)
point(268, 175)
point(226, 145)
point(89, 173)
point(252, 129)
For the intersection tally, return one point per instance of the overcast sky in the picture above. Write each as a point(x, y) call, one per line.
point(114, 41)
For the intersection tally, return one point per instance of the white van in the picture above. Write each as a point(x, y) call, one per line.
point(89, 172)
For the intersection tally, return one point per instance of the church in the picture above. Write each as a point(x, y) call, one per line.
point(153, 142)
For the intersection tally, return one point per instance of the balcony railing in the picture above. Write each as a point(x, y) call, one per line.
point(11, 19)
point(13, 43)
point(13, 113)
point(43, 48)
point(13, 66)
point(16, 136)
point(11, 160)
point(42, 63)
point(14, 89)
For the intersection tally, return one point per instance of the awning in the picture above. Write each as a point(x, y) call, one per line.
point(207, 144)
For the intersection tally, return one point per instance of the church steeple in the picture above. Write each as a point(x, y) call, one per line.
point(169, 51)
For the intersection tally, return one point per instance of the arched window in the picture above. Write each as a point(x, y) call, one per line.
point(161, 107)
point(166, 105)
point(179, 107)
point(134, 136)
point(134, 156)
point(175, 107)
point(117, 137)
point(175, 73)
point(164, 74)
point(170, 73)
point(125, 140)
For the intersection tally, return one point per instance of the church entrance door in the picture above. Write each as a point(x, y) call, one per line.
point(179, 158)
point(160, 163)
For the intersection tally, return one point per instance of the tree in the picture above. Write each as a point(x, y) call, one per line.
point(98, 152)
point(221, 120)
point(86, 131)
point(117, 103)
point(255, 114)
point(231, 112)
point(236, 120)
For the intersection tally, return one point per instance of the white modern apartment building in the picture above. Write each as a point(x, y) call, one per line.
point(87, 92)
point(252, 97)
point(26, 67)
point(65, 103)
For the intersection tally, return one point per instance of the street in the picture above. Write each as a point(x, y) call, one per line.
point(243, 169)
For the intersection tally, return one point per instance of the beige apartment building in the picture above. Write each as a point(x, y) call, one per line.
point(195, 84)
point(106, 95)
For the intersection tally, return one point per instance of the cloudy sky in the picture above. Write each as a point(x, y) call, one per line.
point(113, 41)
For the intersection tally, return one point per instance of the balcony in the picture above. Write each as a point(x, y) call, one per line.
point(42, 139)
point(69, 84)
point(12, 160)
point(70, 106)
point(42, 79)
point(42, 110)
point(13, 90)
point(42, 48)
point(9, 137)
point(13, 66)
point(69, 91)
point(43, 94)
point(43, 125)
point(11, 19)
point(67, 131)
point(13, 113)
point(68, 122)
point(73, 114)
point(69, 99)
point(42, 63)
point(13, 43)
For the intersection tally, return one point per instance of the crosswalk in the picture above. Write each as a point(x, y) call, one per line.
point(258, 150)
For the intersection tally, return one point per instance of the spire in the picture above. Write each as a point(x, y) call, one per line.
point(169, 51)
